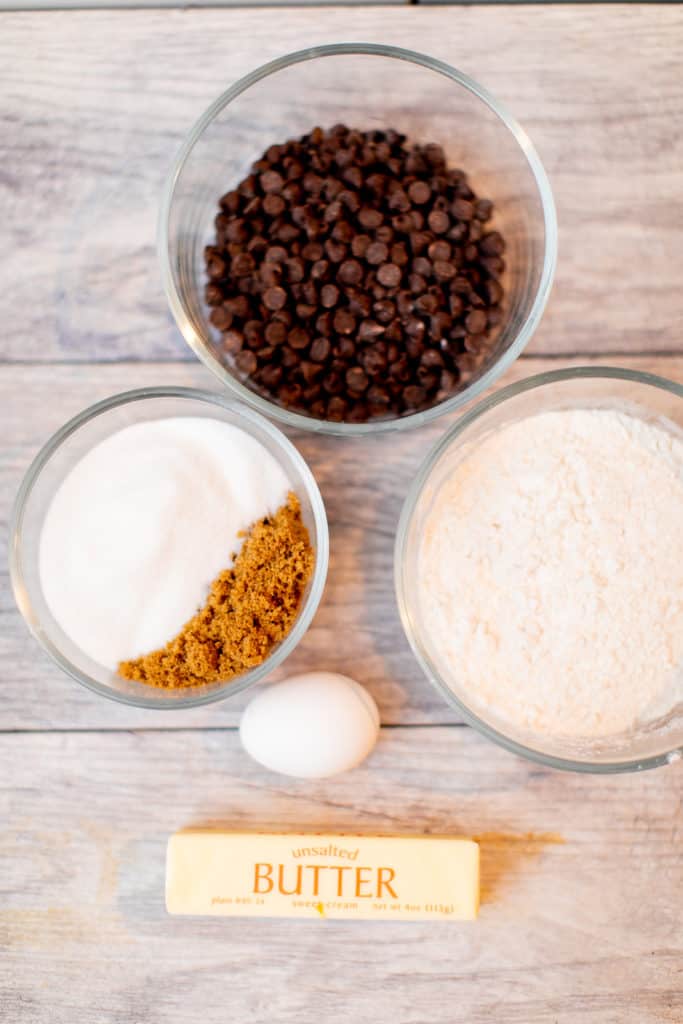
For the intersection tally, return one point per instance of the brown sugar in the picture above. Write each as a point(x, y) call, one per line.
point(250, 608)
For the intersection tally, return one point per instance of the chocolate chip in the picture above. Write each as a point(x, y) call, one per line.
point(345, 349)
point(462, 209)
point(343, 232)
point(389, 275)
point(384, 233)
point(403, 223)
point(289, 357)
point(270, 274)
point(432, 358)
point(344, 322)
point(254, 333)
point(230, 202)
point(320, 350)
point(275, 333)
point(313, 182)
point(439, 250)
point(399, 254)
point(271, 181)
point(374, 360)
point(323, 324)
point(332, 383)
point(384, 310)
point(296, 269)
point(376, 253)
point(475, 322)
point(427, 303)
point(492, 244)
point(475, 231)
point(360, 245)
point(415, 328)
point(369, 218)
point(435, 154)
point(320, 270)
point(213, 295)
point(413, 396)
point(310, 371)
point(350, 272)
point(298, 338)
point(439, 221)
point(336, 409)
point(290, 394)
point(232, 342)
point(246, 361)
point(444, 271)
point(420, 192)
point(475, 342)
point(238, 306)
point(399, 201)
point(493, 265)
point(356, 379)
point(352, 275)
point(311, 251)
point(369, 330)
point(221, 318)
point(483, 208)
point(359, 301)
point(378, 399)
point(275, 298)
point(335, 250)
point(273, 205)
point(271, 375)
point(215, 267)
point(276, 254)
point(419, 241)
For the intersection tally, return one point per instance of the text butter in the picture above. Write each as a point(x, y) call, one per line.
point(335, 876)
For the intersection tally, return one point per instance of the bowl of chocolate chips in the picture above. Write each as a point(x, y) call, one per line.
point(357, 238)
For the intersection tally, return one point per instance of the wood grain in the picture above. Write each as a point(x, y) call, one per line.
point(94, 106)
point(580, 920)
point(356, 630)
point(583, 876)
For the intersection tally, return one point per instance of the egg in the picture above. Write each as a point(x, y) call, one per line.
point(311, 726)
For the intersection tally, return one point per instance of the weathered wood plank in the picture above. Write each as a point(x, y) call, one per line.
point(356, 630)
point(80, 5)
point(94, 105)
point(580, 921)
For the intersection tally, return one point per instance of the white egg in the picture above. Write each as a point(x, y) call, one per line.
point(311, 726)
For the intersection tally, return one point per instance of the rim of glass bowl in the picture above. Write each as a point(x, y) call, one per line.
point(292, 419)
point(401, 584)
point(308, 610)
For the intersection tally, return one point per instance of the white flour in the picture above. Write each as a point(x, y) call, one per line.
point(551, 572)
point(142, 525)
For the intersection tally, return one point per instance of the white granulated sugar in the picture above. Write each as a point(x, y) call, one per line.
point(551, 572)
point(142, 525)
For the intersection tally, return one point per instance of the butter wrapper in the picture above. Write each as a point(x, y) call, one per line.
point(384, 878)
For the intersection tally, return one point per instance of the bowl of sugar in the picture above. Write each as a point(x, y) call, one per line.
point(539, 568)
point(169, 547)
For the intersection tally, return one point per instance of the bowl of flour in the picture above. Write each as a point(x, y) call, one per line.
point(539, 568)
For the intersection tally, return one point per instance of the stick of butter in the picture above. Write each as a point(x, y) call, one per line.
point(334, 876)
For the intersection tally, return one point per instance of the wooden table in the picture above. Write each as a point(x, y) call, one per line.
point(582, 876)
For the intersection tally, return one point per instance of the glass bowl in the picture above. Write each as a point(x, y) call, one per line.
point(366, 87)
point(55, 461)
point(652, 399)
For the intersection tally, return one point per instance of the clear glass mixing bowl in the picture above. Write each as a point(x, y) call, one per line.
point(55, 461)
point(366, 87)
point(653, 399)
